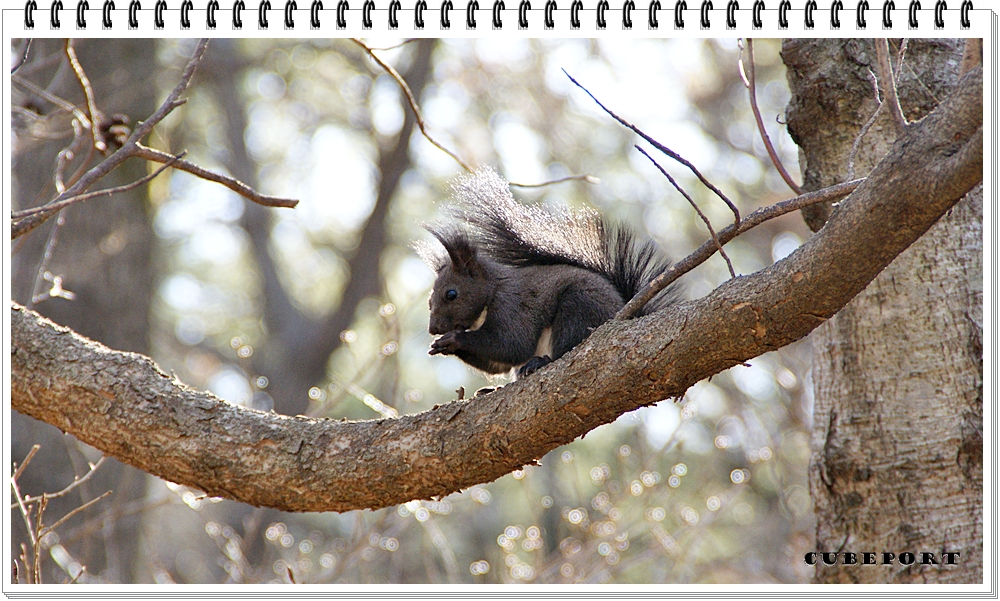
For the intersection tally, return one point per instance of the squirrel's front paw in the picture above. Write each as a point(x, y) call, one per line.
point(445, 345)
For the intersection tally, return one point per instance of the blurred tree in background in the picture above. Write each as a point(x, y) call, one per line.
point(321, 310)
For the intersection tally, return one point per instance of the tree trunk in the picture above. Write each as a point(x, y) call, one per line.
point(897, 445)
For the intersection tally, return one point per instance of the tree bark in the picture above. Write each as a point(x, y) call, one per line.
point(897, 447)
point(124, 405)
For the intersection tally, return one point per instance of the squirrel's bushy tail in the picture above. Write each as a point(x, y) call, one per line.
point(521, 235)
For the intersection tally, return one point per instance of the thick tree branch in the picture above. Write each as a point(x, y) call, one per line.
point(124, 405)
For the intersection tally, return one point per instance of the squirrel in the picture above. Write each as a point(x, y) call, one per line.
point(519, 286)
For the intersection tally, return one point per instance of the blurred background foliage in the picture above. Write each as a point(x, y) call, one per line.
point(321, 310)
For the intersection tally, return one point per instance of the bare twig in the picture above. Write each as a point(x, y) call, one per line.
point(25, 512)
point(62, 204)
point(27, 460)
point(68, 154)
point(662, 148)
point(63, 519)
point(27, 564)
point(56, 100)
point(590, 179)
point(889, 83)
point(749, 79)
point(88, 93)
point(399, 45)
point(151, 154)
point(50, 246)
point(76, 482)
point(415, 107)
point(878, 111)
point(707, 249)
point(41, 63)
point(36, 547)
point(899, 62)
point(91, 526)
point(23, 57)
point(865, 127)
point(411, 100)
point(690, 200)
point(129, 148)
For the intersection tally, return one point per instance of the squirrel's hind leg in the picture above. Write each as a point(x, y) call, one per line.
point(578, 313)
point(534, 364)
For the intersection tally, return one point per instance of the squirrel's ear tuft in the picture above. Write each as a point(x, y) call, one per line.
point(431, 254)
point(462, 253)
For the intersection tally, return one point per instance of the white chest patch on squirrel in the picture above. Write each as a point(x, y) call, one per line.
point(479, 321)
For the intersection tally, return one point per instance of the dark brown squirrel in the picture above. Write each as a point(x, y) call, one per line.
point(519, 286)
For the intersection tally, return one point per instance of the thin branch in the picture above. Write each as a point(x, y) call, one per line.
point(44, 210)
point(27, 563)
point(899, 63)
point(707, 249)
point(110, 515)
point(878, 111)
point(68, 154)
point(661, 148)
point(889, 83)
point(590, 179)
point(415, 107)
point(63, 519)
point(749, 79)
point(56, 100)
point(865, 127)
point(41, 63)
point(411, 100)
point(40, 275)
point(36, 547)
point(23, 57)
point(399, 45)
point(77, 481)
point(27, 460)
point(88, 93)
point(151, 154)
point(690, 200)
point(129, 148)
point(25, 512)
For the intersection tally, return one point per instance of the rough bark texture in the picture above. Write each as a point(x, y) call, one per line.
point(124, 405)
point(897, 462)
point(832, 98)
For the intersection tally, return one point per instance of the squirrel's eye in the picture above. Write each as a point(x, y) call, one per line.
point(451, 294)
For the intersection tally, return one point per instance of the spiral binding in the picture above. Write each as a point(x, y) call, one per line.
point(389, 14)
